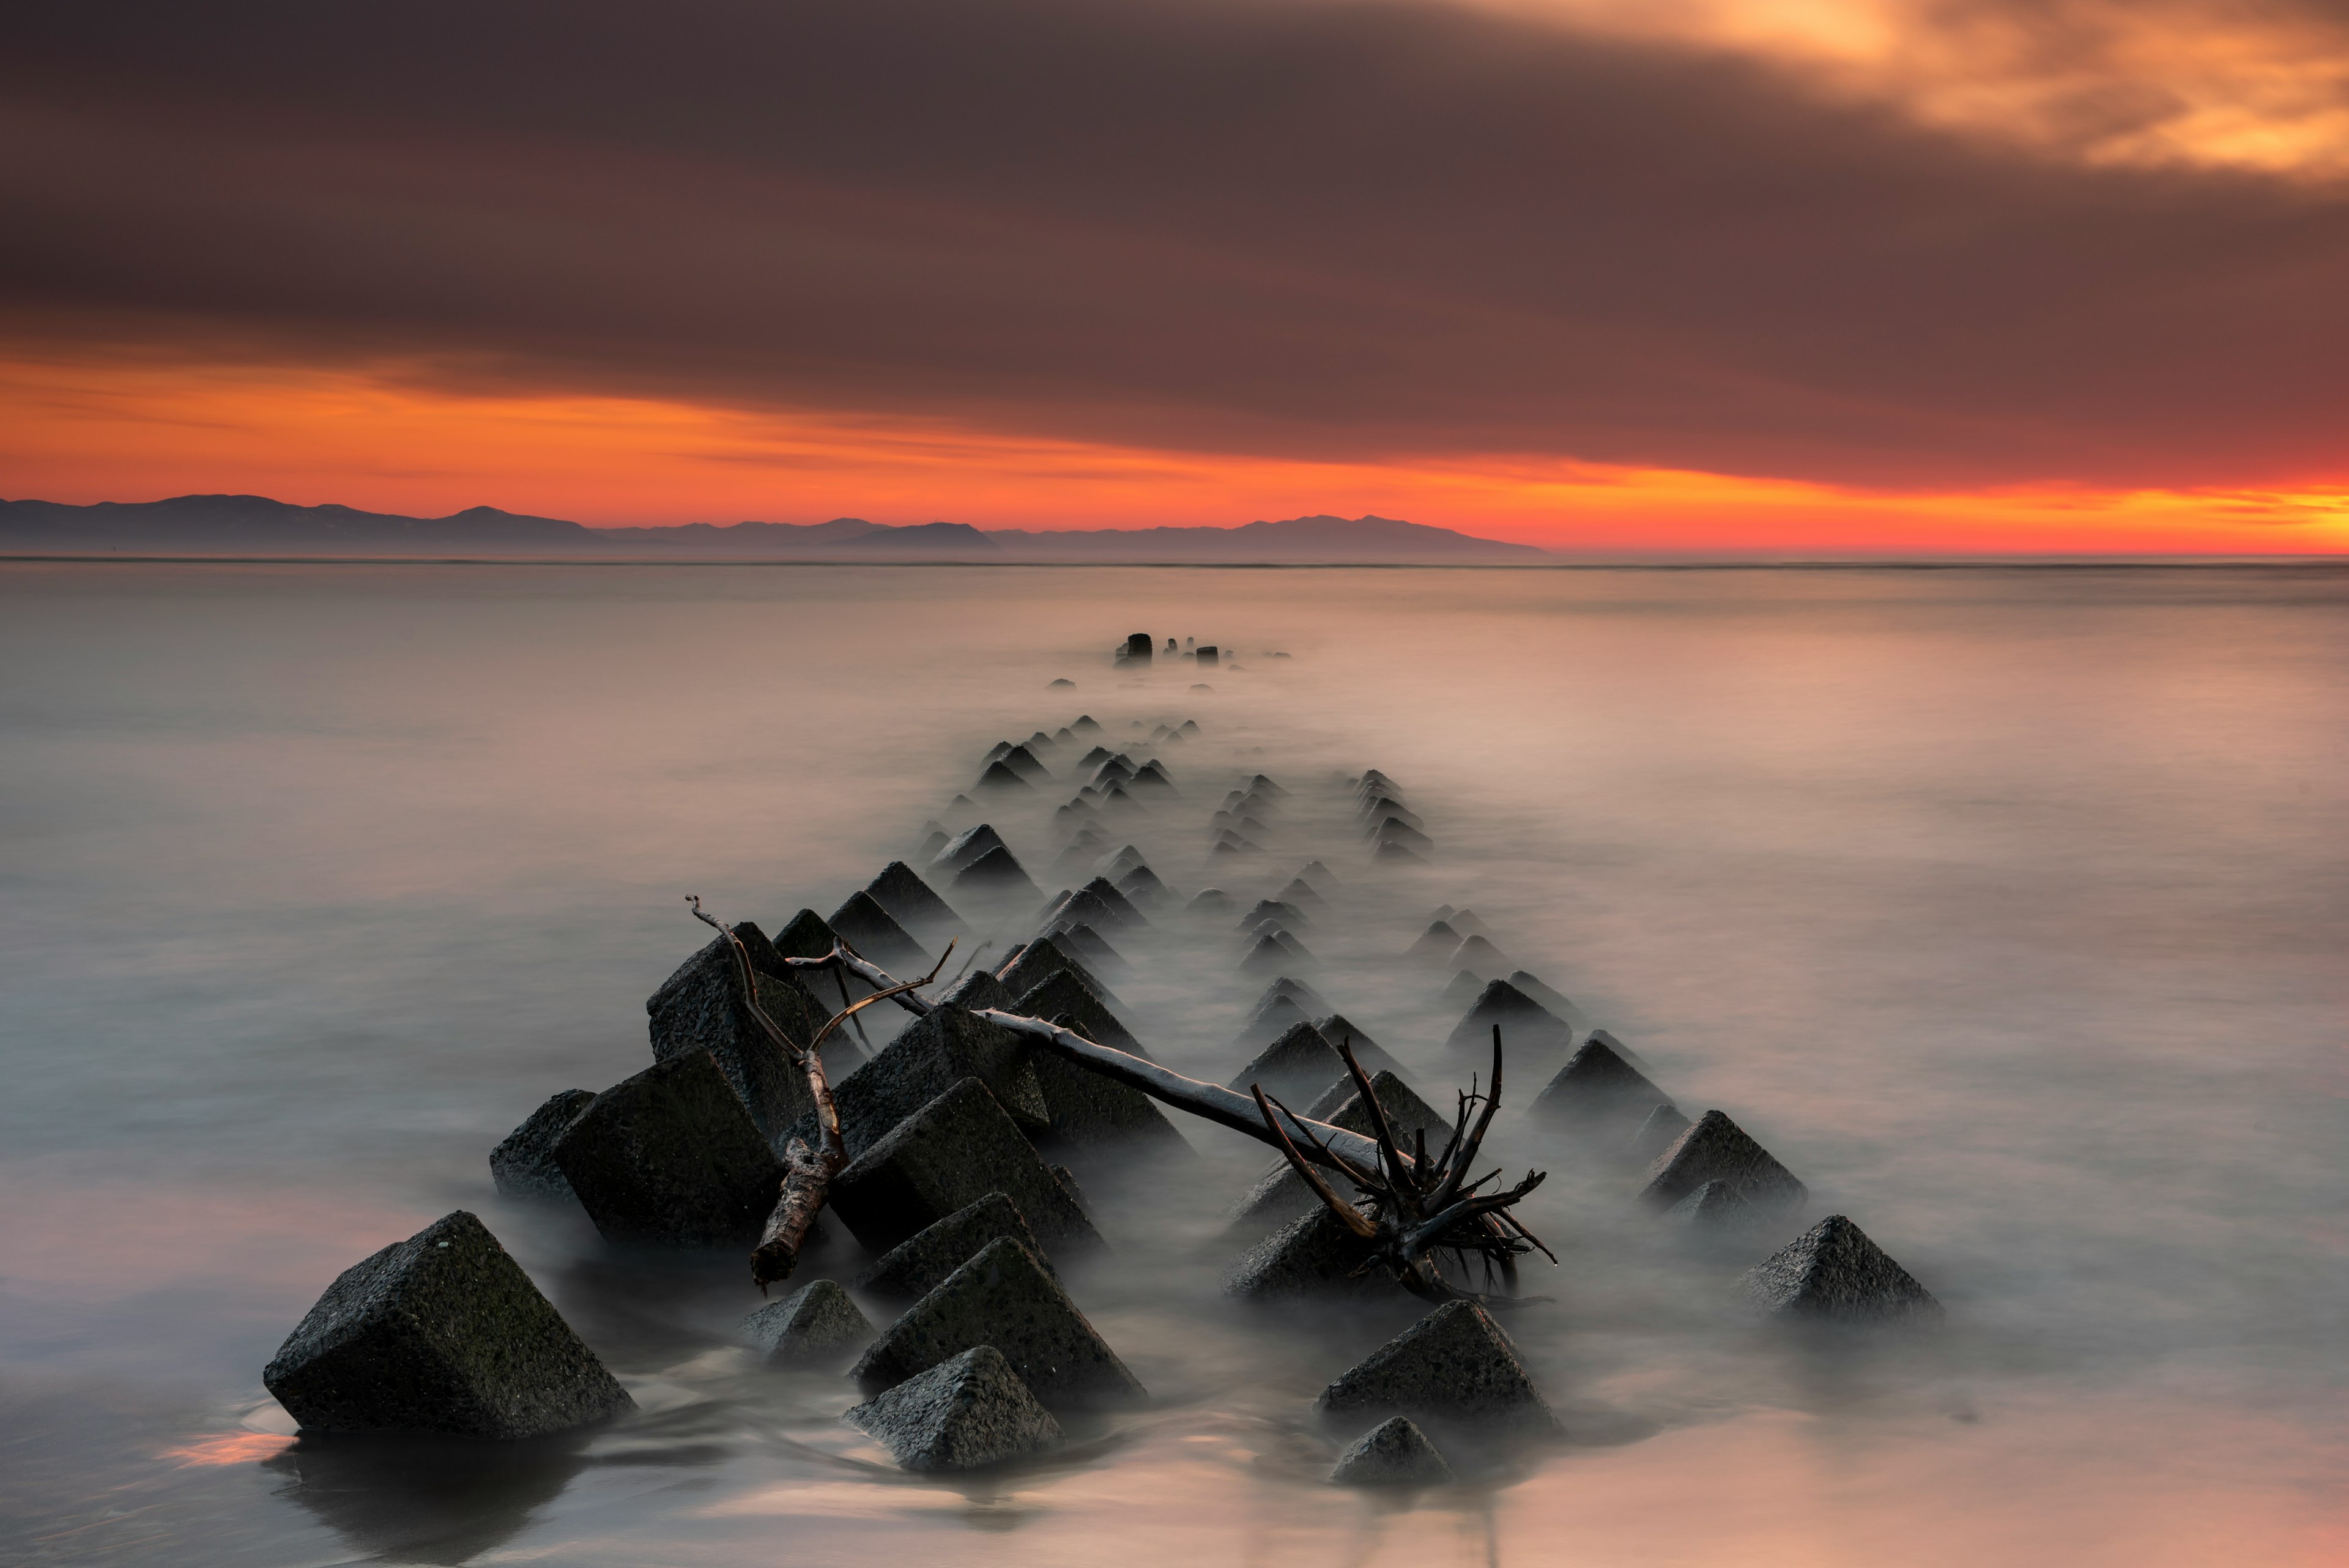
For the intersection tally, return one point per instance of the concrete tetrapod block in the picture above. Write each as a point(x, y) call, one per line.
point(1295, 1069)
point(523, 1165)
point(975, 991)
point(966, 1412)
point(700, 1008)
point(929, 1056)
point(875, 935)
point(1664, 1124)
point(965, 848)
point(1339, 1030)
point(1393, 1453)
point(441, 1333)
point(671, 1158)
point(816, 1328)
point(1714, 1209)
point(1534, 1042)
point(1833, 1272)
point(1314, 1255)
point(1088, 1110)
point(1598, 1094)
point(1454, 1366)
point(1280, 1194)
point(918, 1265)
point(1465, 987)
point(1557, 1003)
point(1087, 947)
point(948, 1155)
point(1004, 1297)
point(1039, 960)
point(1123, 916)
point(1437, 942)
point(996, 875)
point(1712, 1148)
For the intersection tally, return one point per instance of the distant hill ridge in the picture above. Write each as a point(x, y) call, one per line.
point(249, 525)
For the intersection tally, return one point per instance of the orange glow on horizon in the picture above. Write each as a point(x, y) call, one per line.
point(130, 430)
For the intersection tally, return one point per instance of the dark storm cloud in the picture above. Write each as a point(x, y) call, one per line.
point(1333, 232)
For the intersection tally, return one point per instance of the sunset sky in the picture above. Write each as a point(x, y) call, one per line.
point(1606, 275)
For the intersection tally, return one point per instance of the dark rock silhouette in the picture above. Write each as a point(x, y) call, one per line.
point(1143, 888)
point(1483, 958)
point(523, 1165)
point(1064, 680)
point(1063, 998)
point(1188, 727)
point(1090, 1113)
point(1153, 775)
point(1396, 854)
point(875, 935)
point(965, 847)
point(1598, 1094)
point(930, 1057)
point(1004, 1297)
point(1024, 762)
point(995, 873)
point(1664, 1124)
point(441, 1333)
point(1390, 834)
point(1555, 1004)
point(1714, 1209)
point(1260, 784)
point(1229, 842)
point(920, 1263)
point(1138, 648)
point(947, 1156)
point(1280, 1194)
point(1085, 724)
point(1089, 947)
point(1385, 810)
point(1123, 916)
point(1289, 915)
point(933, 843)
point(1273, 952)
point(1304, 995)
point(1454, 1366)
point(976, 990)
point(1274, 1017)
point(995, 753)
point(1000, 780)
point(912, 903)
point(1210, 902)
point(1209, 655)
point(671, 1158)
point(1393, 1453)
point(967, 1412)
point(700, 1008)
point(1465, 922)
point(1536, 1041)
point(1301, 1066)
point(1464, 988)
point(1834, 1273)
point(1038, 961)
point(1438, 942)
point(1711, 1148)
point(816, 1328)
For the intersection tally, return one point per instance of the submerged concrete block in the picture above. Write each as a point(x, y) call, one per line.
point(1437, 942)
point(948, 1155)
point(671, 1158)
point(1598, 1094)
point(700, 1009)
point(1534, 1042)
point(919, 1264)
point(1664, 1125)
point(1294, 1069)
point(1004, 1297)
point(1393, 1453)
point(816, 1328)
point(1834, 1273)
point(1280, 1194)
point(965, 848)
point(1455, 1365)
point(875, 935)
point(1714, 1209)
point(996, 874)
point(931, 1056)
point(1089, 1111)
point(1062, 995)
point(1713, 1148)
point(441, 1333)
point(968, 1411)
point(1040, 959)
point(1465, 987)
point(1314, 1255)
point(912, 903)
point(1122, 915)
point(523, 1165)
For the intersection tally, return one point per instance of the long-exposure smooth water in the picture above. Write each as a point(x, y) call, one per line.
point(2006, 906)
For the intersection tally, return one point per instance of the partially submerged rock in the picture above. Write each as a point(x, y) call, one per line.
point(523, 1165)
point(441, 1333)
point(1598, 1094)
point(1833, 1272)
point(948, 1155)
point(700, 1008)
point(671, 1158)
point(914, 904)
point(968, 1411)
point(1455, 1365)
point(1713, 1148)
point(1313, 1255)
point(875, 935)
point(930, 1057)
point(919, 1264)
point(815, 1327)
point(1393, 1453)
point(1004, 1297)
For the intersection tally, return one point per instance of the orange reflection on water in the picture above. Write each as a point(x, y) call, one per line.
point(229, 1448)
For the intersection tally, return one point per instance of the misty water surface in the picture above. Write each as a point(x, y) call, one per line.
point(2006, 907)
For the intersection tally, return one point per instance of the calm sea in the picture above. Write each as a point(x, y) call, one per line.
point(2006, 906)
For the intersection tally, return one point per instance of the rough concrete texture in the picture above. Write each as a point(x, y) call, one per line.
point(1598, 1094)
point(1393, 1453)
point(931, 1056)
point(966, 1412)
point(1022, 761)
point(875, 935)
point(1714, 1209)
point(1123, 916)
point(523, 1165)
point(1454, 1366)
point(1833, 1272)
point(1280, 1194)
point(1088, 1111)
point(948, 1155)
point(1087, 947)
point(1295, 1069)
point(1004, 1297)
point(996, 874)
point(700, 1008)
point(806, 935)
point(919, 1264)
point(441, 1333)
point(1534, 1043)
point(816, 1328)
point(1042, 958)
point(1664, 1124)
point(1713, 1148)
point(1313, 1255)
point(671, 1158)
point(975, 991)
